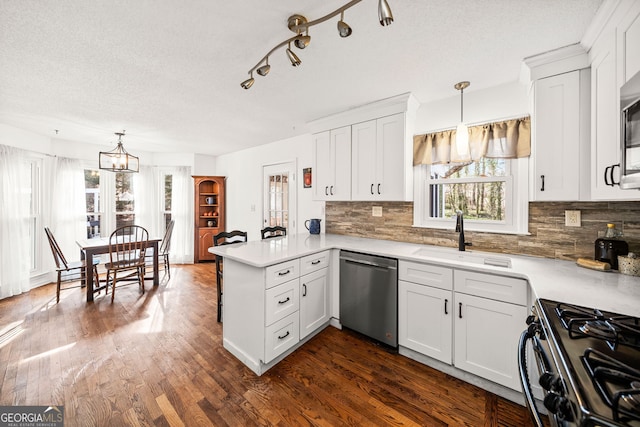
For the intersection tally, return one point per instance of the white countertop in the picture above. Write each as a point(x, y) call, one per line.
point(557, 280)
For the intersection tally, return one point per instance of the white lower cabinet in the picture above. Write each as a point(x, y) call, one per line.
point(470, 319)
point(269, 311)
point(314, 301)
point(425, 320)
point(424, 309)
point(486, 338)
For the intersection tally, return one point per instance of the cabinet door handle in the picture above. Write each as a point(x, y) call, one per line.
point(285, 301)
point(331, 190)
point(542, 178)
point(284, 273)
point(304, 290)
point(371, 188)
point(460, 310)
point(608, 175)
point(378, 188)
point(284, 336)
point(326, 190)
point(316, 262)
point(446, 301)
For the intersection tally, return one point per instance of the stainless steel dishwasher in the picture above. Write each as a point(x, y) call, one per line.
point(369, 295)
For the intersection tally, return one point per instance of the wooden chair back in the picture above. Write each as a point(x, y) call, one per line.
point(220, 239)
point(165, 245)
point(58, 256)
point(269, 232)
point(127, 246)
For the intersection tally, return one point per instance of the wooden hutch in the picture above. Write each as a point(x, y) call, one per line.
point(209, 212)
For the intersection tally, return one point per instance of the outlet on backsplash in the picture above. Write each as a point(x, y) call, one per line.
point(572, 218)
point(376, 211)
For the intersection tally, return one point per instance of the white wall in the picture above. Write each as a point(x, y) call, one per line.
point(243, 170)
point(493, 104)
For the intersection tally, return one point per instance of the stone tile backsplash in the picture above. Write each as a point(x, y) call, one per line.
point(548, 236)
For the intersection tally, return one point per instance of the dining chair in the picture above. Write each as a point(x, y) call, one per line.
point(163, 250)
point(127, 248)
point(69, 271)
point(276, 231)
point(225, 238)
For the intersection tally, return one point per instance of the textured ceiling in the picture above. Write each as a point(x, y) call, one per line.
point(169, 71)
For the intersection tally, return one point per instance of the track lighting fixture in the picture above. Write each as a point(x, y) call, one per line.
point(343, 28)
point(295, 61)
point(299, 25)
point(462, 131)
point(249, 82)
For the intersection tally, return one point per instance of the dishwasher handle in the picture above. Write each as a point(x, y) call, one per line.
point(368, 263)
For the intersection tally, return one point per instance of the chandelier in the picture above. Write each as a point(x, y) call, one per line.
point(118, 159)
point(300, 26)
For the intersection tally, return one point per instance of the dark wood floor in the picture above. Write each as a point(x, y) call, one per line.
point(157, 360)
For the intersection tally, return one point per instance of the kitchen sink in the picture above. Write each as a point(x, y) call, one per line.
point(466, 256)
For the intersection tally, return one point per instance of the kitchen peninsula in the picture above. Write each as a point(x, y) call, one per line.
point(255, 273)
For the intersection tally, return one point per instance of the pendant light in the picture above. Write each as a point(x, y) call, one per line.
point(118, 159)
point(462, 131)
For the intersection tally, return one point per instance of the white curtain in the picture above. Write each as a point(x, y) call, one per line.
point(149, 207)
point(147, 194)
point(68, 205)
point(15, 213)
point(182, 213)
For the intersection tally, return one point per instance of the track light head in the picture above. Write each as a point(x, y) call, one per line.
point(295, 61)
point(264, 70)
point(384, 13)
point(248, 83)
point(302, 41)
point(343, 28)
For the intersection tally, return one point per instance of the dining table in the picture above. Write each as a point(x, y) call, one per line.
point(100, 245)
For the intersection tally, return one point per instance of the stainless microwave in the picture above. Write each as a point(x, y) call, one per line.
point(630, 133)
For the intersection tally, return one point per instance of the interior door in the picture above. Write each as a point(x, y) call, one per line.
point(279, 201)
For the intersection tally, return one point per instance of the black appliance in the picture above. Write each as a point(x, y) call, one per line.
point(607, 250)
point(589, 364)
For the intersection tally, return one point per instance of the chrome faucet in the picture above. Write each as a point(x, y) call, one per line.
point(460, 229)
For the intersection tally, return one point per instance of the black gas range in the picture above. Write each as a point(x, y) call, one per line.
point(589, 365)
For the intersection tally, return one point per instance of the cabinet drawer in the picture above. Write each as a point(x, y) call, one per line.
point(426, 274)
point(281, 301)
point(282, 272)
point(281, 336)
point(314, 262)
point(499, 288)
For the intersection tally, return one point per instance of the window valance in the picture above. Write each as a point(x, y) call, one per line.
point(508, 139)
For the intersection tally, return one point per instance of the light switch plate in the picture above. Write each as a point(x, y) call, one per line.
point(572, 218)
point(376, 211)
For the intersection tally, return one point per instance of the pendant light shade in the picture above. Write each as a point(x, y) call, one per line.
point(118, 159)
point(302, 41)
point(462, 131)
point(384, 13)
point(264, 70)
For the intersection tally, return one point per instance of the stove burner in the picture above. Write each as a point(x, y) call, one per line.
point(599, 329)
point(583, 322)
point(630, 401)
point(617, 383)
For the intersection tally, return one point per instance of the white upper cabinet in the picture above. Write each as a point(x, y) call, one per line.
point(378, 152)
point(560, 137)
point(332, 169)
point(614, 57)
point(379, 165)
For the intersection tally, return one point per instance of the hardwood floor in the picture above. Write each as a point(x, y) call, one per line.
point(157, 360)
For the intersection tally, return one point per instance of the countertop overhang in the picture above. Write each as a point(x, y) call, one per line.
point(557, 280)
